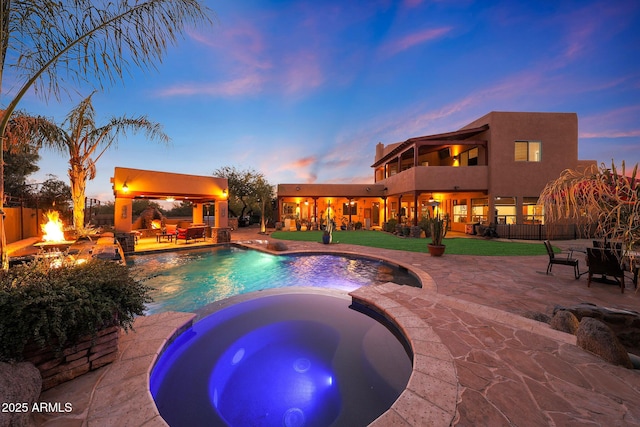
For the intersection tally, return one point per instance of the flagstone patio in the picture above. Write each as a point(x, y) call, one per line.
point(477, 360)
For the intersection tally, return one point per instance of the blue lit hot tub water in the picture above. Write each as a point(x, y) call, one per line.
point(286, 360)
point(291, 360)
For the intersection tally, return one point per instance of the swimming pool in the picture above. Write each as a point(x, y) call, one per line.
point(189, 280)
point(281, 360)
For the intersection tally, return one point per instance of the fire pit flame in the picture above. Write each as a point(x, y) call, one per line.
point(53, 229)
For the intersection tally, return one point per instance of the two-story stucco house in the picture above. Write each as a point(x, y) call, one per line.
point(491, 170)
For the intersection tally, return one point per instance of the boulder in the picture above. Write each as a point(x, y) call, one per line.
point(596, 337)
point(20, 384)
point(624, 323)
point(564, 321)
point(277, 246)
point(537, 316)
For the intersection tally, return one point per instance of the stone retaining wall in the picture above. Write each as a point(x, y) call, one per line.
point(89, 354)
point(220, 235)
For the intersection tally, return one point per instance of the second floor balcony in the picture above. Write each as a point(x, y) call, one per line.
point(438, 178)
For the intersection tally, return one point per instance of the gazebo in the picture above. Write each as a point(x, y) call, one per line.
point(129, 184)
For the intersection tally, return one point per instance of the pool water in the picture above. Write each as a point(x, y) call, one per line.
point(281, 360)
point(189, 280)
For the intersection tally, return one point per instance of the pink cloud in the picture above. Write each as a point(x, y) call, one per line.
point(611, 134)
point(240, 43)
point(617, 123)
point(248, 84)
point(303, 162)
point(412, 3)
point(396, 46)
point(589, 26)
point(303, 72)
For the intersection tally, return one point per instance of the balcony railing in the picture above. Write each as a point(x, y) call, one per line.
point(439, 178)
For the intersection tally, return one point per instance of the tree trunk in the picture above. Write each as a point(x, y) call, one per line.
point(78, 177)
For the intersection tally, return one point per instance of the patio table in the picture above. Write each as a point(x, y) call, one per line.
point(166, 236)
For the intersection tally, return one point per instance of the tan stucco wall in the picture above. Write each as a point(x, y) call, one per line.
point(558, 133)
point(303, 191)
point(156, 185)
point(497, 174)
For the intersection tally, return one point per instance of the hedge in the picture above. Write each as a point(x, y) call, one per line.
point(56, 306)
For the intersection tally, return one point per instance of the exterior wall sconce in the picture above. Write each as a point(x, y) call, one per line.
point(125, 187)
point(225, 193)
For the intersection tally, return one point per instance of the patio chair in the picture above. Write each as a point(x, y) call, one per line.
point(562, 260)
point(606, 263)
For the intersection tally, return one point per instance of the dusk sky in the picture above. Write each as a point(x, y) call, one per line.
point(302, 91)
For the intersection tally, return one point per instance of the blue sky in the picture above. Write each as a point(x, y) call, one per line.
point(303, 90)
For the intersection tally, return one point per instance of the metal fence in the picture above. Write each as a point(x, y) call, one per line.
point(541, 231)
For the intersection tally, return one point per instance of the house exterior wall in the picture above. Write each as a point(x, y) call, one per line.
point(558, 133)
point(438, 179)
point(412, 178)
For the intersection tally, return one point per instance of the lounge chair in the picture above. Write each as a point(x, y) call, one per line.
point(562, 260)
point(606, 263)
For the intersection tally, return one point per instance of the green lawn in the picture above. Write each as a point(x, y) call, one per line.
point(455, 246)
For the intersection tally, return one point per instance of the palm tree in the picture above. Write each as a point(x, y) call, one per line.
point(47, 42)
point(86, 142)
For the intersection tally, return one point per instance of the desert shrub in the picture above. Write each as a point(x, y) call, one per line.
point(425, 225)
point(56, 306)
point(390, 226)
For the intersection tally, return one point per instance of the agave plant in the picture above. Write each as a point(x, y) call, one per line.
point(597, 196)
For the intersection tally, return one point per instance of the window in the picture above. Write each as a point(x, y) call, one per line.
point(350, 208)
point(528, 151)
point(505, 210)
point(288, 209)
point(460, 211)
point(469, 157)
point(479, 210)
point(532, 212)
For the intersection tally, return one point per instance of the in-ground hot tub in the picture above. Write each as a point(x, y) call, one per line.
point(295, 359)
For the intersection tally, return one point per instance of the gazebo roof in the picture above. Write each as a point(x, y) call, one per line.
point(146, 184)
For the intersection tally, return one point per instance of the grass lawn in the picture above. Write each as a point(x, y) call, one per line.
point(455, 246)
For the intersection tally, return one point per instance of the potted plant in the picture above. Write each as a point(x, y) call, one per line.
point(438, 227)
point(327, 235)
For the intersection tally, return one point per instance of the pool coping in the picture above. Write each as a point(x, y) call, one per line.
point(429, 398)
point(431, 395)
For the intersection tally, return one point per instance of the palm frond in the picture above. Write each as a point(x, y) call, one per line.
point(604, 197)
point(79, 40)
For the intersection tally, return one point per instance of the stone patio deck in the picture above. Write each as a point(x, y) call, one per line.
point(466, 320)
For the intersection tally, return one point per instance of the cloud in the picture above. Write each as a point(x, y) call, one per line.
point(412, 3)
point(303, 72)
point(303, 162)
point(396, 46)
point(589, 27)
point(614, 134)
point(248, 84)
point(616, 123)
